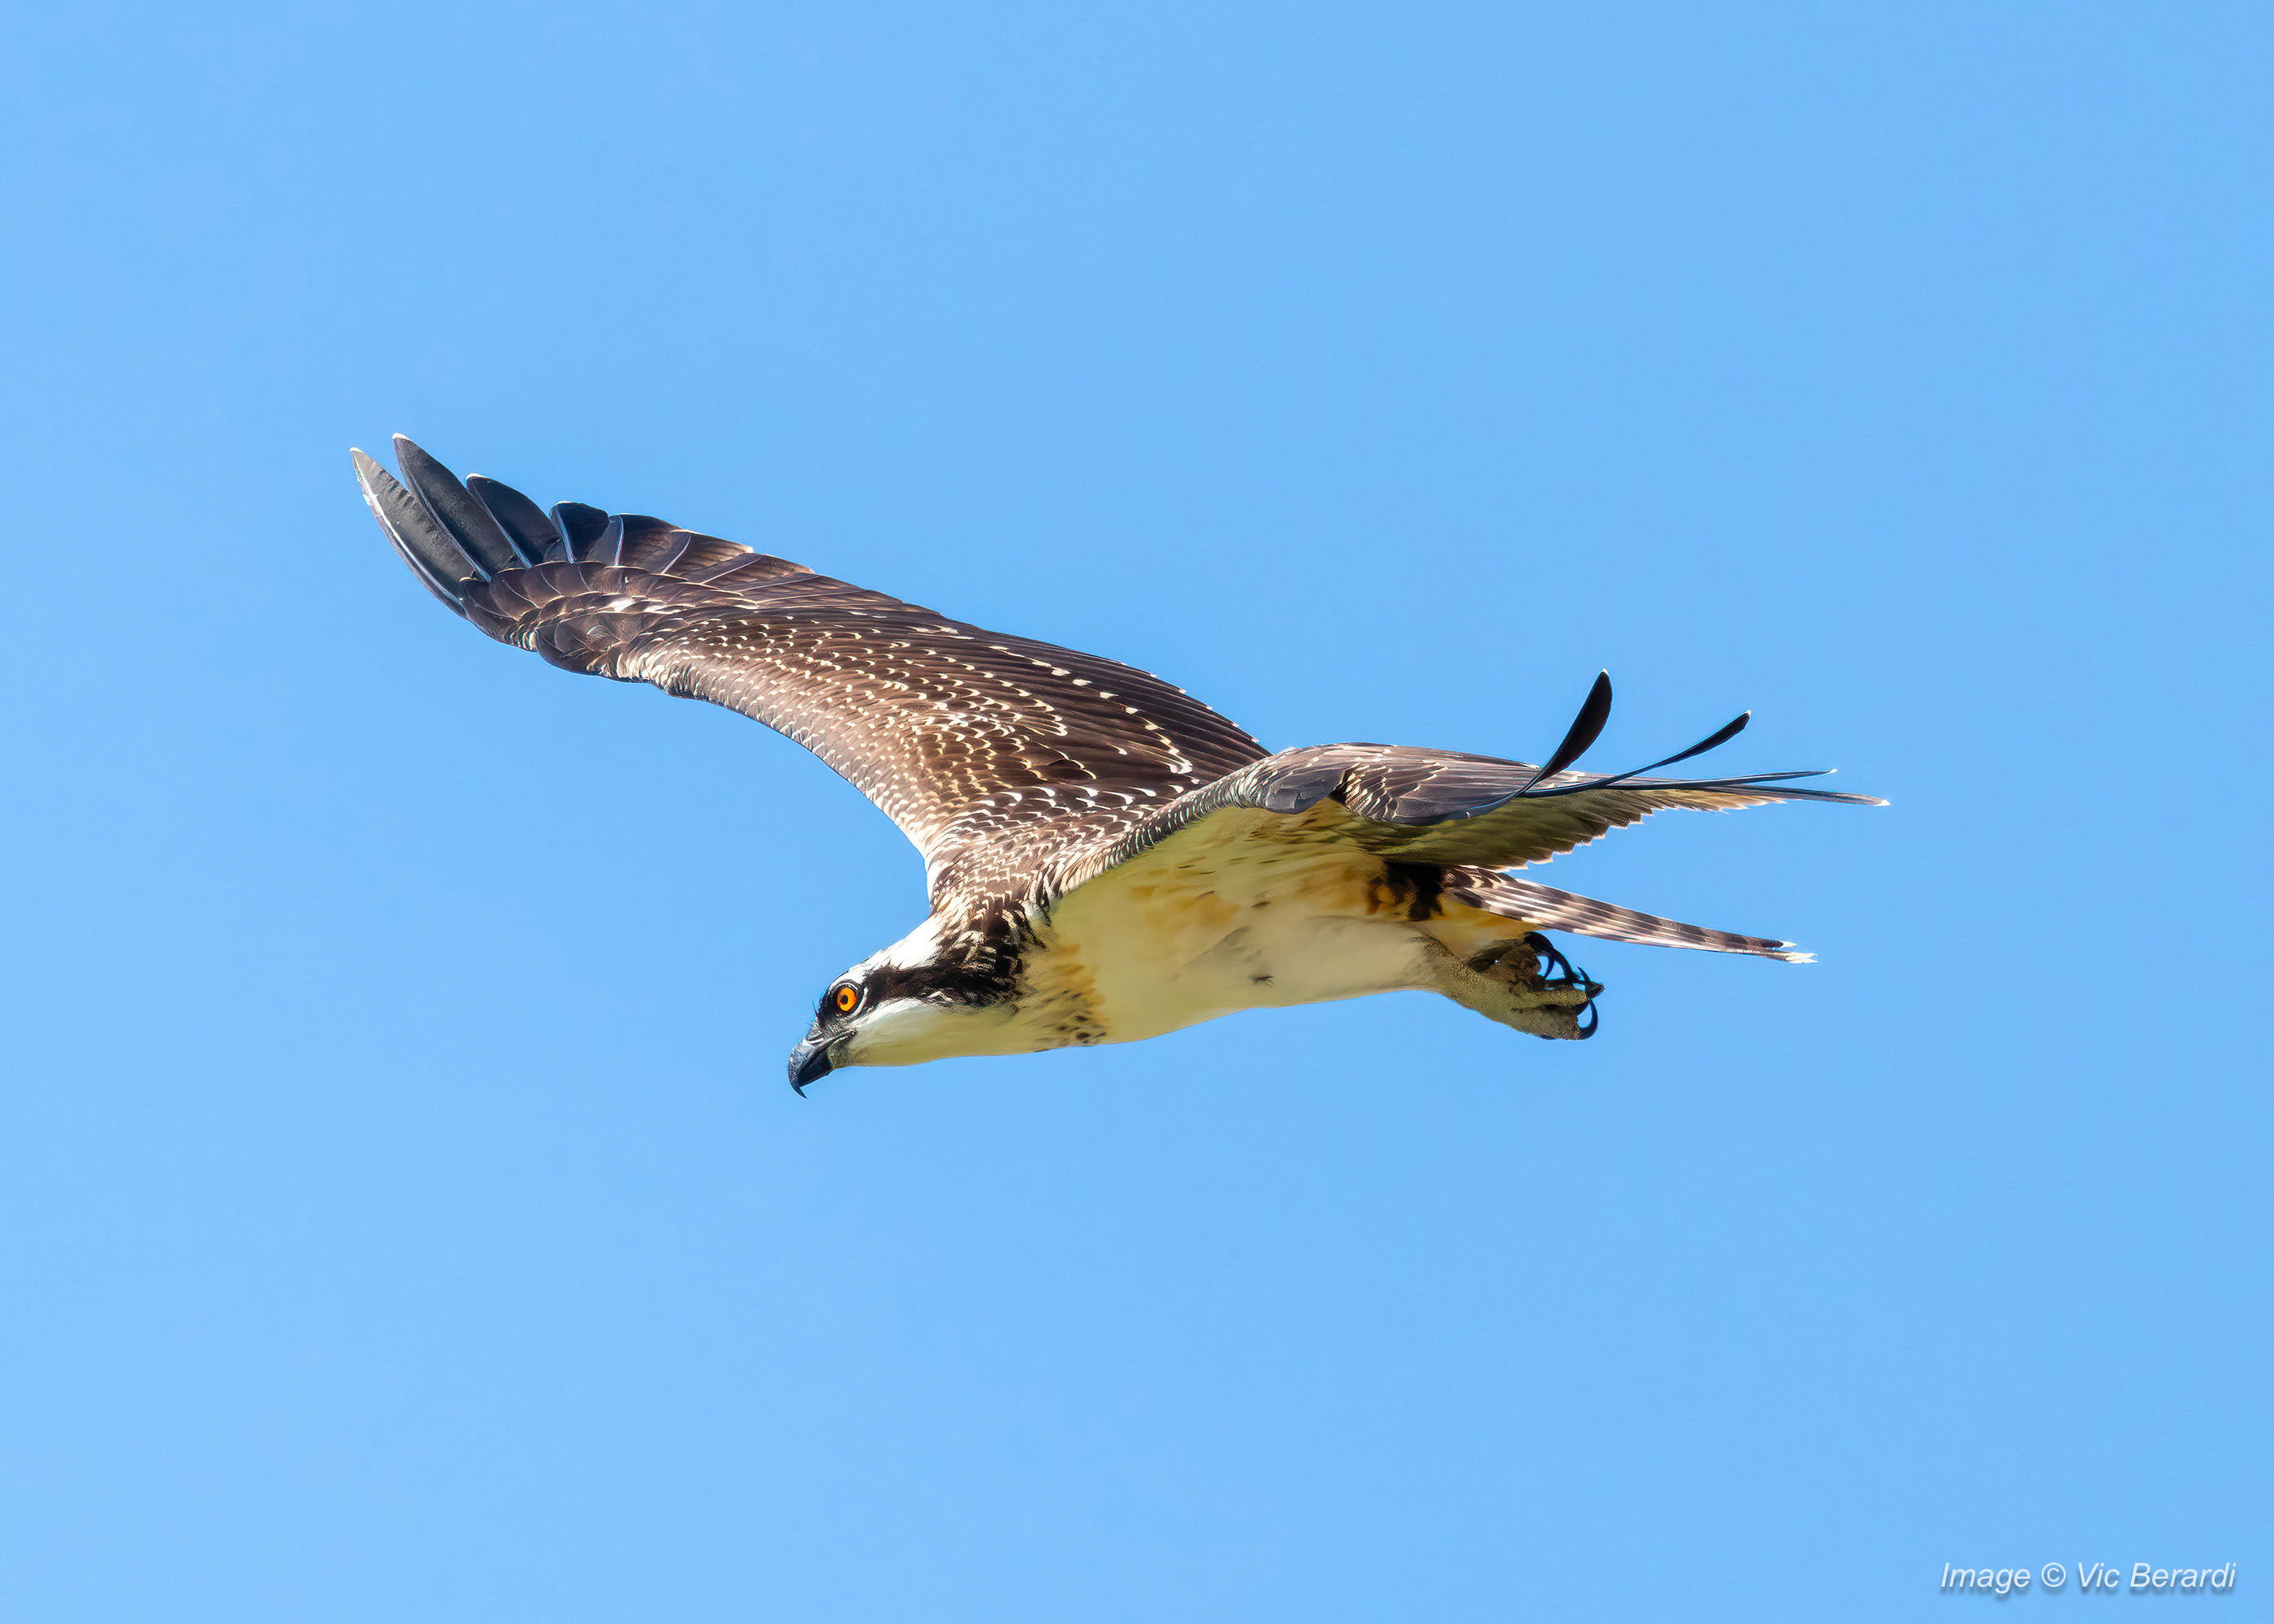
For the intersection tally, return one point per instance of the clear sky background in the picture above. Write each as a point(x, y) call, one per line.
point(403, 1214)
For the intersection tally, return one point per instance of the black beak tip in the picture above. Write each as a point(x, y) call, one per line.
point(807, 1065)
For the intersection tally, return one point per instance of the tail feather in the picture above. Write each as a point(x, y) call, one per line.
point(1547, 908)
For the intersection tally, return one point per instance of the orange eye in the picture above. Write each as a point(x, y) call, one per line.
point(847, 999)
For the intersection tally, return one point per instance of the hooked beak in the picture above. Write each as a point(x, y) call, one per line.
point(808, 1062)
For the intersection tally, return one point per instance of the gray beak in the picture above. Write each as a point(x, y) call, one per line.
point(808, 1062)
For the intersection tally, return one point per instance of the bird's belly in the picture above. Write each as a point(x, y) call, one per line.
point(1152, 945)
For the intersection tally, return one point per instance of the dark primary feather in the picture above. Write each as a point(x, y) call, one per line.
point(523, 521)
point(453, 506)
point(580, 528)
point(957, 732)
point(1719, 737)
point(1586, 728)
point(423, 545)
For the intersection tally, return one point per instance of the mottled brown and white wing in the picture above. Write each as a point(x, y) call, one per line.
point(956, 732)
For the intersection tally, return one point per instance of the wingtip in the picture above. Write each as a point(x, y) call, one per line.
point(1586, 728)
point(434, 556)
point(371, 478)
point(1861, 800)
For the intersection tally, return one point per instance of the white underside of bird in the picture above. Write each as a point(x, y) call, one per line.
point(1221, 918)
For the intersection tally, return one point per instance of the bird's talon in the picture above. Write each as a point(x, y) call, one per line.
point(1565, 975)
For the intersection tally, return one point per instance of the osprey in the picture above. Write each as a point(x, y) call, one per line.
point(1107, 858)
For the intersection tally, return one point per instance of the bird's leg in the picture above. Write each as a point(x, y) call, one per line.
point(1504, 983)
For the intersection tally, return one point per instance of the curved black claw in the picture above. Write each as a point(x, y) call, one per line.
point(1565, 975)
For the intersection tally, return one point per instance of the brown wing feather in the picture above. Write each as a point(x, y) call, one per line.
point(956, 732)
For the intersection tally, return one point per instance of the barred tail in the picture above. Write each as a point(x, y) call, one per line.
point(1547, 908)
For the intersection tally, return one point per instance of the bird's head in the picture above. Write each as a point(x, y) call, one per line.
point(918, 1000)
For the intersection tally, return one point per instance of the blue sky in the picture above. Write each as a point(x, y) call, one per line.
point(402, 1212)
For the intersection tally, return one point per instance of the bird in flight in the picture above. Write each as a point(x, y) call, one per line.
point(1107, 858)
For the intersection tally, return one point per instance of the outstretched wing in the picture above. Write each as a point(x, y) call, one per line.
point(953, 731)
point(1409, 804)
